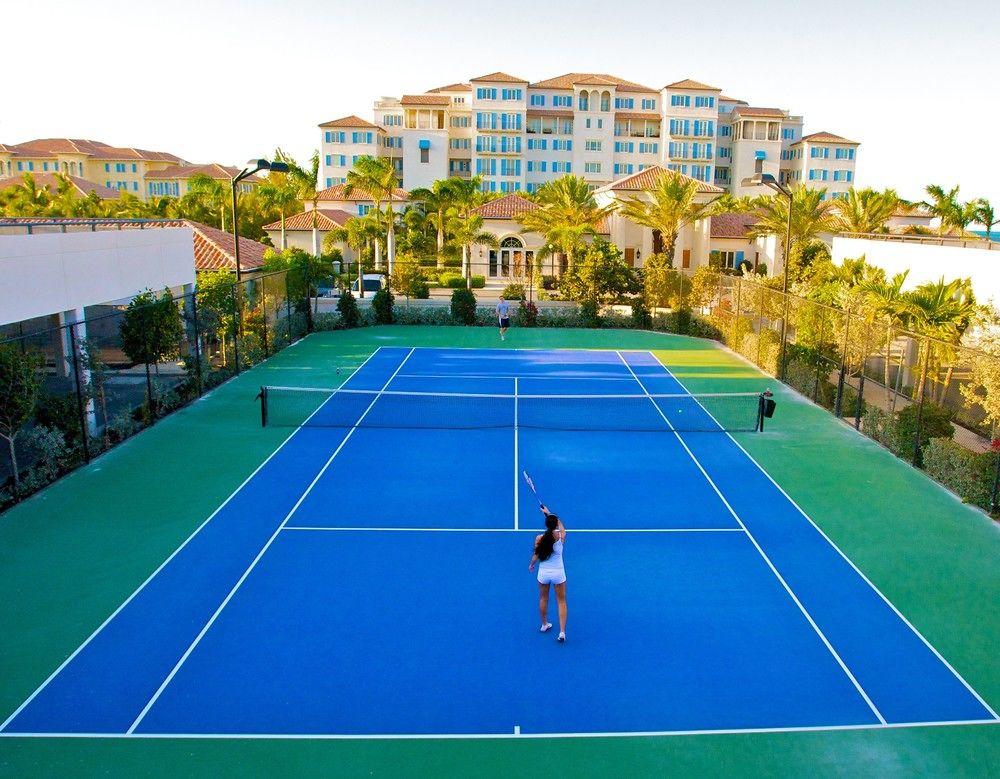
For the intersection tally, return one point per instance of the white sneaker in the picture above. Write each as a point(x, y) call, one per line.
point(562, 638)
point(545, 628)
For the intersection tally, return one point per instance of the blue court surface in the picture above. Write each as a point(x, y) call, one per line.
point(372, 580)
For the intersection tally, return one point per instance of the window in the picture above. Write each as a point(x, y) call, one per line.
point(726, 259)
point(567, 127)
point(725, 130)
point(680, 101)
point(584, 104)
point(704, 127)
point(843, 154)
point(363, 209)
point(624, 102)
point(361, 137)
point(648, 148)
point(135, 186)
point(329, 183)
point(537, 166)
point(682, 169)
point(459, 166)
point(394, 143)
point(624, 169)
point(562, 101)
point(107, 167)
point(425, 154)
point(624, 147)
point(486, 93)
point(704, 101)
point(724, 152)
point(461, 143)
point(722, 175)
point(510, 94)
point(540, 143)
point(820, 153)
point(788, 133)
point(818, 174)
point(335, 137)
point(45, 166)
point(562, 167)
point(648, 104)
point(561, 145)
point(591, 167)
point(680, 127)
point(461, 121)
point(600, 124)
point(701, 172)
point(538, 100)
point(842, 175)
point(592, 145)
point(392, 120)
point(486, 167)
point(135, 168)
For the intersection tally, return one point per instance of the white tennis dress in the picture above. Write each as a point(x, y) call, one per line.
point(551, 571)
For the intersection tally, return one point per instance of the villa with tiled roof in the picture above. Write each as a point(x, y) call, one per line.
point(518, 134)
point(51, 182)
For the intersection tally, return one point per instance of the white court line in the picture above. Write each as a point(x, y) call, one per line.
point(398, 529)
point(466, 736)
point(149, 705)
point(774, 570)
point(162, 565)
point(839, 551)
point(603, 377)
point(517, 475)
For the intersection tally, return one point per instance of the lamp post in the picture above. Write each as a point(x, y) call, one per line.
point(758, 179)
point(253, 166)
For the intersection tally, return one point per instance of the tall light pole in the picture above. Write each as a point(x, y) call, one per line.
point(758, 179)
point(253, 166)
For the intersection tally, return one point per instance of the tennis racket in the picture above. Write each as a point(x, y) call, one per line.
point(531, 486)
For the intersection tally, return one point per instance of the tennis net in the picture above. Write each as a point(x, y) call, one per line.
point(346, 408)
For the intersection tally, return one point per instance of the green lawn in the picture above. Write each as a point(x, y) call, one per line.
point(71, 554)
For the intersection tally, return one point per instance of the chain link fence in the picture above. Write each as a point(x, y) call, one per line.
point(120, 368)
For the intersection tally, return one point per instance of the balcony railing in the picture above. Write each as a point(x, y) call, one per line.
point(929, 240)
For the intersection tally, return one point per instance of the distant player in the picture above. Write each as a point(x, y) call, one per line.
point(503, 317)
point(548, 554)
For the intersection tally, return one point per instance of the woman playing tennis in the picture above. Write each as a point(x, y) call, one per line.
point(548, 554)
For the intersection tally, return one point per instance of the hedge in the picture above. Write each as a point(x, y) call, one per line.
point(968, 474)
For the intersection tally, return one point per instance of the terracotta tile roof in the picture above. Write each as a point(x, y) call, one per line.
point(351, 121)
point(358, 195)
point(912, 211)
point(213, 170)
point(453, 88)
point(506, 207)
point(725, 99)
point(689, 83)
point(425, 100)
point(567, 80)
point(646, 179)
point(732, 225)
point(562, 114)
point(98, 149)
point(500, 77)
point(751, 111)
point(50, 182)
point(214, 249)
point(637, 115)
point(326, 219)
point(825, 137)
point(604, 226)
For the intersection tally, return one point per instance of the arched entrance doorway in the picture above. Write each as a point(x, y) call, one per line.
point(511, 259)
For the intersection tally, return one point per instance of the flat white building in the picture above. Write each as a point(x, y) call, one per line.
point(518, 135)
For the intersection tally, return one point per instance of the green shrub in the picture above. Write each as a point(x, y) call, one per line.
point(382, 306)
point(60, 412)
point(968, 474)
point(478, 282)
point(451, 280)
point(526, 314)
point(762, 349)
point(549, 282)
point(935, 422)
point(419, 315)
point(513, 292)
point(641, 318)
point(463, 306)
point(347, 306)
point(452, 262)
point(590, 315)
point(703, 328)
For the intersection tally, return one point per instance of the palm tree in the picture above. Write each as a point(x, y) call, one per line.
point(942, 312)
point(212, 194)
point(944, 205)
point(279, 192)
point(357, 233)
point(436, 201)
point(27, 198)
point(886, 300)
point(864, 210)
point(671, 205)
point(567, 213)
point(468, 230)
point(810, 217)
point(377, 177)
point(305, 183)
point(983, 213)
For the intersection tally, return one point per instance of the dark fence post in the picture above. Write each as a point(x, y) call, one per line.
point(80, 405)
point(838, 401)
point(926, 350)
point(237, 329)
point(288, 309)
point(782, 354)
point(197, 341)
point(861, 398)
point(263, 309)
point(996, 485)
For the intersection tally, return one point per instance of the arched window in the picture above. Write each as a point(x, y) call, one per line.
point(584, 101)
point(511, 243)
point(605, 101)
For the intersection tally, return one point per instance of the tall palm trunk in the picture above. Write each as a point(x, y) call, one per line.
point(465, 266)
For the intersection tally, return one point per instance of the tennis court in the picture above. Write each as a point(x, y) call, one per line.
point(370, 578)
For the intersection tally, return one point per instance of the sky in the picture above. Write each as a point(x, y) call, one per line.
point(914, 81)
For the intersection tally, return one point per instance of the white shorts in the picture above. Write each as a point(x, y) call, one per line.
point(552, 576)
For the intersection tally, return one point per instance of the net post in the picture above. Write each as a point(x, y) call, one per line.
point(760, 412)
point(263, 406)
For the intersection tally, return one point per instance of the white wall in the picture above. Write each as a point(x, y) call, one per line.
point(927, 263)
point(46, 274)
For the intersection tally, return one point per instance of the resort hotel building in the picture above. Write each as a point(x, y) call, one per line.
point(517, 135)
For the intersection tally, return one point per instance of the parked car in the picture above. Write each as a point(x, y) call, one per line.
point(373, 283)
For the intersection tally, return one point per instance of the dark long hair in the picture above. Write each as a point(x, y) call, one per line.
point(548, 540)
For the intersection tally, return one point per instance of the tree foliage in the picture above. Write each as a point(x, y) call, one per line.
point(20, 383)
point(600, 274)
